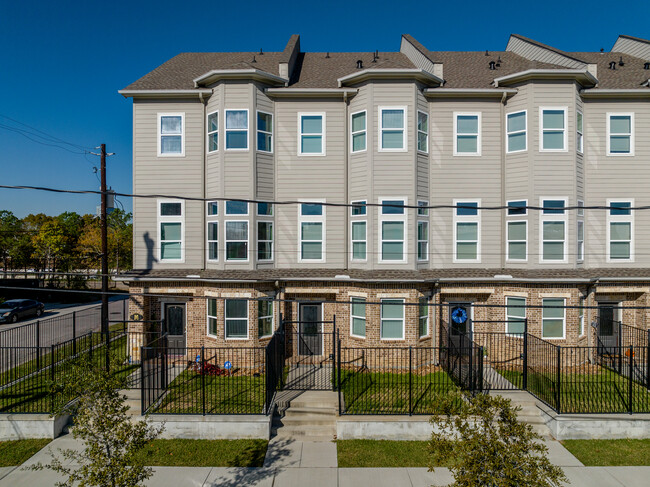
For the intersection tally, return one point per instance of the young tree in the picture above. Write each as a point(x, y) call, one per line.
point(111, 439)
point(487, 445)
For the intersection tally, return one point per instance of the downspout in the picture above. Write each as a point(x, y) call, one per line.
point(204, 251)
point(503, 179)
point(346, 218)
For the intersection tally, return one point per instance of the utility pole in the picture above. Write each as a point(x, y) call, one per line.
point(104, 229)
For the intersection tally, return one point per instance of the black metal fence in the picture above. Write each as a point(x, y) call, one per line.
point(310, 356)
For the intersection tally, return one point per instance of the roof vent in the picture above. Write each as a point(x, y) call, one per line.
point(602, 50)
point(646, 66)
point(620, 61)
point(487, 53)
point(375, 56)
point(359, 64)
point(499, 62)
point(254, 60)
point(492, 66)
point(612, 65)
point(327, 55)
point(261, 52)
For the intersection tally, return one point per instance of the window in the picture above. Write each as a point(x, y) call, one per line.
point(212, 317)
point(358, 208)
point(553, 318)
point(553, 225)
point(423, 240)
point(392, 319)
point(423, 132)
point(236, 129)
point(359, 239)
point(264, 318)
point(516, 132)
point(392, 129)
point(358, 127)
point(422, 208)
point(358, 317)
point(213, 230)
point(264, 132)
point(236, 208)
point(171, 231)
point(515, 316)
point(264, 241)
point(620, 134)
point(552, 129)
point(392, 225)
point(467, 231)
point(581, 208)
point(580, 241)
point(579, 132)
point(237, 240)
point(423, 319)
point(620, 231)
point(213, 132)
point(264, 209)
point(171, 134)
point(517, 240)
point(581, 317)
point(236, 319)
point(518, 208)
point(312, 232)
point(311, 140)
point(467, 134)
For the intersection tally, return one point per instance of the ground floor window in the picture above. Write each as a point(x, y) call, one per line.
point(236, 318)
point(265, 318)
point(553, 318)
point(392, 319)
point(358, 317)
point(212, 317)
point(423, 321)
point(515, 315)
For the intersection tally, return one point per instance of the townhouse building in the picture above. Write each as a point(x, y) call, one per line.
point(391, 190)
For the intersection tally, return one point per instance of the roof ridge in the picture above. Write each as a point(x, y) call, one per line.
point(635, 38)
point(419, 46)
point(546, 46)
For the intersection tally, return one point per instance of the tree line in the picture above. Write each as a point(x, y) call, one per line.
point(68, 242)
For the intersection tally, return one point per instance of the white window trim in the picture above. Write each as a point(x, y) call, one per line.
point(609, 134)
point(208, 132)
point(170, 219)
point(515, 335)
point(467, 219)
point(312, 218)
point(352, 316)
point(425, 210)
point(225, 209)
point(525, 213)
point(211, 219)
point(582, 303)
point(580, 141)
point(352, 241)
point(553, 218)
point(508, 258)
point(418, 132)
point(226, 129)
point(404, 129)
point(620, 219)
point(323, 134)
point(479, 135)
point(563, 337)
point(565, 147)
point(159, 133)
point(514, 132)
point(225, 319)
point(225, 241)
point(426, 255)
point(392, 218)
point(264, 131)
point(580, 212)
point(263, 220)
point(580, 244)
point(359, 203)
point(364, 131)
point(428, 316)
point(272, 316)
point(381, 319)
point(208, 316)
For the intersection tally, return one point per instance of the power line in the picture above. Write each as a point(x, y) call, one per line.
point(44, 135)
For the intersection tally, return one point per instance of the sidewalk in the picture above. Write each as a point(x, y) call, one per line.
point(294, 463)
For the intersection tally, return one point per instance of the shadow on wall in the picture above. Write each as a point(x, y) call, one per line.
point(149, 243)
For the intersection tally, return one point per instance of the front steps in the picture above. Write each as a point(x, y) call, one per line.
point(311, 416)
point(529, 413)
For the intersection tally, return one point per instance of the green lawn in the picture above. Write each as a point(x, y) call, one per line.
point(390, 393)
point(597, 453)
point(236, 394)
point(16, 452)
point(205, 453)
point(382, 453)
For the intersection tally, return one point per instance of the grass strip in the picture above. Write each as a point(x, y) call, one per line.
point(205, 453)
point(382, 454)
point(604, 453)
point(16, 452)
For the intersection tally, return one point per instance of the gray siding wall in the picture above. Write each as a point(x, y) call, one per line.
point(538, 53)
point(632, 47)
point(416, 57)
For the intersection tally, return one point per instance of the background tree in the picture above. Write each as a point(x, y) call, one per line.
point(9, 231)
point(488, 446)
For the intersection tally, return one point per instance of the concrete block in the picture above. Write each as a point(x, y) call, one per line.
point(25, 426)
point(222, 427)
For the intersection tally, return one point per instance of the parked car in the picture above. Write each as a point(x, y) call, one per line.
point(13, 310)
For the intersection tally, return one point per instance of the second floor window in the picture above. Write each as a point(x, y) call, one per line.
point(236, 240)
point(392, 131)
point(171, 231)
point(467, 134)
point(359, 131)
point(236, 129)
point(359, 240)
point(553, 230)
point(312, 232)
point(620, 231)
point(213, 230)
point(516, 132)
point(264, 241)
point(580, 241)
point(552, 129)
point(423, 132)
point(423, 240)
point(213, 132)
point(467, 231)
point(517, 240)
point(171, 134)
point(311, 140)
point(393, 231)
point(620, 134)
point(579, 133)
point(236, 208)
point(264, 132)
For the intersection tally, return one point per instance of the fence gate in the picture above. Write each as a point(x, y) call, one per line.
point(608, 332)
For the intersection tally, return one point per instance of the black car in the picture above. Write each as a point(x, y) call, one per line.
point(15, 309)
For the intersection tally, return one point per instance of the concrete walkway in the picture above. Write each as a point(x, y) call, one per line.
point(291, 463)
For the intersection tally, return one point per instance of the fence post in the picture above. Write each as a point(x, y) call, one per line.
point(142, 411)
point(410, 380)
point(647, 365)
point(334, 353)
point(74, 333)
point(38, 344)
point(480, 368)
point(630, 374)
point(107, 353)
point(558, 385)
point(620, 348)
point(124, 301)
point(338, 385)
point(470, 374)
point(52, 378)
point(525, 371)
point(203, 378)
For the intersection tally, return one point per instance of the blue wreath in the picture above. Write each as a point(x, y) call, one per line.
point(459, 315)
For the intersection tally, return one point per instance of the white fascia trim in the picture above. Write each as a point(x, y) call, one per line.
point(310, 92)
point(389, 73)
point(547, 74)
point(480, 92)
point(238, 73)
point(613, 93)
point(164, 93)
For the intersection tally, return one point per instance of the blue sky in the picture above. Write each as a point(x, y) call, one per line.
point(62, 62)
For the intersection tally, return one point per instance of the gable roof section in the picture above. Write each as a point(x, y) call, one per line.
point(634, 46)
point(536, 51)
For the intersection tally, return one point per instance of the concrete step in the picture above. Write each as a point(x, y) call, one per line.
point(295, 411)
point(309, 430)
point(308, 419)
